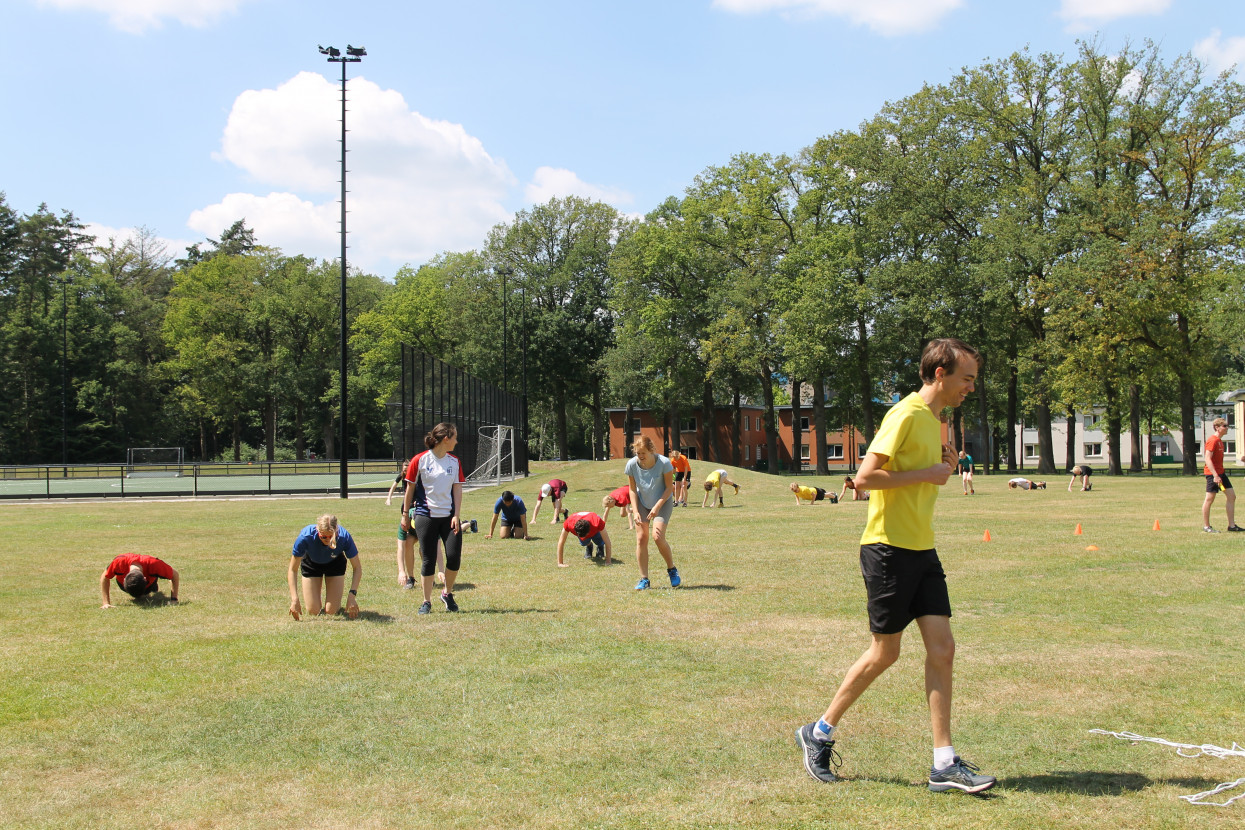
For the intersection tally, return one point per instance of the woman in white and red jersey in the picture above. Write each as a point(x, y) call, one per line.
point(434, 488)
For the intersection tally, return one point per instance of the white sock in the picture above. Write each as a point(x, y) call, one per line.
point(823, 731)
point(944, 756)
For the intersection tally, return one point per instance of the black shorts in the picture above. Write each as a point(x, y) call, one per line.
point(821, 494)
point(312, 570)
point(1212, 487)
point(680, 476)
point(902, 585)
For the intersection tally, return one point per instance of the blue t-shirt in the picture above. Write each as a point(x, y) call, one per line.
point(308, 544)
point(510, 513)
point(650, 484)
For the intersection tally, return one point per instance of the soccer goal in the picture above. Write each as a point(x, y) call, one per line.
point(153, 462)
point(494, 455)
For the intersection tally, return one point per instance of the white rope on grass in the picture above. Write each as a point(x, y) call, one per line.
point(1193, 751)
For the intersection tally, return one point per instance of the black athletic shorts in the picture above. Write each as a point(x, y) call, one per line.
point(1212, 487)
point(311, 570)
point(821, 494)
point(902, 585)
point(680, 476)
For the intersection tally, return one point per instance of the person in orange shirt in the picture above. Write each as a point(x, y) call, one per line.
point(682, 475)
point(1217, 478)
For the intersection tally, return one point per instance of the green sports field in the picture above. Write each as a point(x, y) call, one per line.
point(561, 698)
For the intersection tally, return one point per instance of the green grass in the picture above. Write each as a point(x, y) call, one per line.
point(560, 698)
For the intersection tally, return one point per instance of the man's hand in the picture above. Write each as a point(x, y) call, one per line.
point(296, 610)
point(352, 607)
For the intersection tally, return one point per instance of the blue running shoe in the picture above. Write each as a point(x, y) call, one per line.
point(675, 579)
point(642, 585)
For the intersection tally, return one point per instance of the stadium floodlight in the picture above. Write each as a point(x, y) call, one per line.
point(354, 54)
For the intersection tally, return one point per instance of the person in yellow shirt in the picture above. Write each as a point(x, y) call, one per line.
point(812, 494)
point(906, 464)
point(714, 482)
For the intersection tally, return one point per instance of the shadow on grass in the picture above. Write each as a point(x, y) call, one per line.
point(373, 616)
point(151, 601)
point(686, 587)
point(511, 611)
point(1097, 782)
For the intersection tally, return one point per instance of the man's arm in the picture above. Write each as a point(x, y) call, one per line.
point(103, 589)
point(1070, 483)
point(872, 476)
point(492, 525)
point(175, 579)
point(609, 549)
point(561, 545)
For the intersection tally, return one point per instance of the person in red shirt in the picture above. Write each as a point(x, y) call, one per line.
point(554, 491)
point(138, 575)
point(589, 528)
point(620, 498)
point(1217, 478)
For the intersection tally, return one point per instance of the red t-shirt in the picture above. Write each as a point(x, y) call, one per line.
point(595, 523)
point(152, 567)
point(621, 496)
point(1213, 453)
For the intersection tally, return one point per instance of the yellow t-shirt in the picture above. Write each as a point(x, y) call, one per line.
point(806, 492)
point(911, 437)
point(715, 478)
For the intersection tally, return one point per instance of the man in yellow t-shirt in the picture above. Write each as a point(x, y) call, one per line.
point(904, 467)
point(812, 494)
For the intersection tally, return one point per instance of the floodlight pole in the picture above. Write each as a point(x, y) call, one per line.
point(353, 54)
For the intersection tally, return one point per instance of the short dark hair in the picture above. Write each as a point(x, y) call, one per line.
point(582, 527)
point(507, 496)
point(945, 353)
point(134, 584)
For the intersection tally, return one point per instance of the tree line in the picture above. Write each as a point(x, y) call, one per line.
point(1078, 221)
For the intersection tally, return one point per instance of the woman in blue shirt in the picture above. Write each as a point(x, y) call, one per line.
point(320, 555)
point(650, 482)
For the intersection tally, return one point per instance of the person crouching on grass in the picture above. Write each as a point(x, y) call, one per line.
point(589, 528)
point(320, 555)
point(620, 498)
point(811, 494)
point(138, 575)
point(905, 466)
point(714, 484)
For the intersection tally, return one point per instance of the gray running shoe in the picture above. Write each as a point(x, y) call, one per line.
point(1209, 530)
point(818, 755)
point(961, 775)
point(425, 608)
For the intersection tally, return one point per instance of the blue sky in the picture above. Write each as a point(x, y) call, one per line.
point(182, 116)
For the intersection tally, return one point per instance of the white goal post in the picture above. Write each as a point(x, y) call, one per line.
point(154, 462)
point(494, 455)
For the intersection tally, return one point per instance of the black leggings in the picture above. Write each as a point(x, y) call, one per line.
point(432, 530)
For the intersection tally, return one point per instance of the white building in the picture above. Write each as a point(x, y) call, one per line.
point(1090, 438)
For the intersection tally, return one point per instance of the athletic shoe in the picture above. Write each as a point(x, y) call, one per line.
point(1209, 530)
point(961, 775)
point(1236, 529)
point(642, 585)
point(601, 554)
point(818, 755)
point(675, 579)
point(425, 608)
point(588, 553)
point(409, 584)
point(473, 526)
point(448, 599)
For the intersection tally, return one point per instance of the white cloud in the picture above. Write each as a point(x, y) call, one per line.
point(1221, 55)
point(548, 182)
point(137, 16)
point(886, 17)
point(417, 186)
point(1085, 14)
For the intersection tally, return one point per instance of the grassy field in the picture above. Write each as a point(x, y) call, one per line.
point(561, 698)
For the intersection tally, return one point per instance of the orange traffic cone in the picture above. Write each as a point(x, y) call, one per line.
point(1077, 532)
point(986, 538)
point(1092, 547)
point(1156, 525)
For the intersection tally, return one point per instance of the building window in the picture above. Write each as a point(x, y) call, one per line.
point(759, 424)
point(635, 426)
point(747, 452)
point(834, 450)
point(1229, 447)
point(861, 451)
point(760, 451)
point(1092, 420)
point(1031, 450)
point(1093, 450)
point(687, 424)
point(747, 423)
point(1197, 448)
point(804, 452)
point(1158, 448)
point(803, 423)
